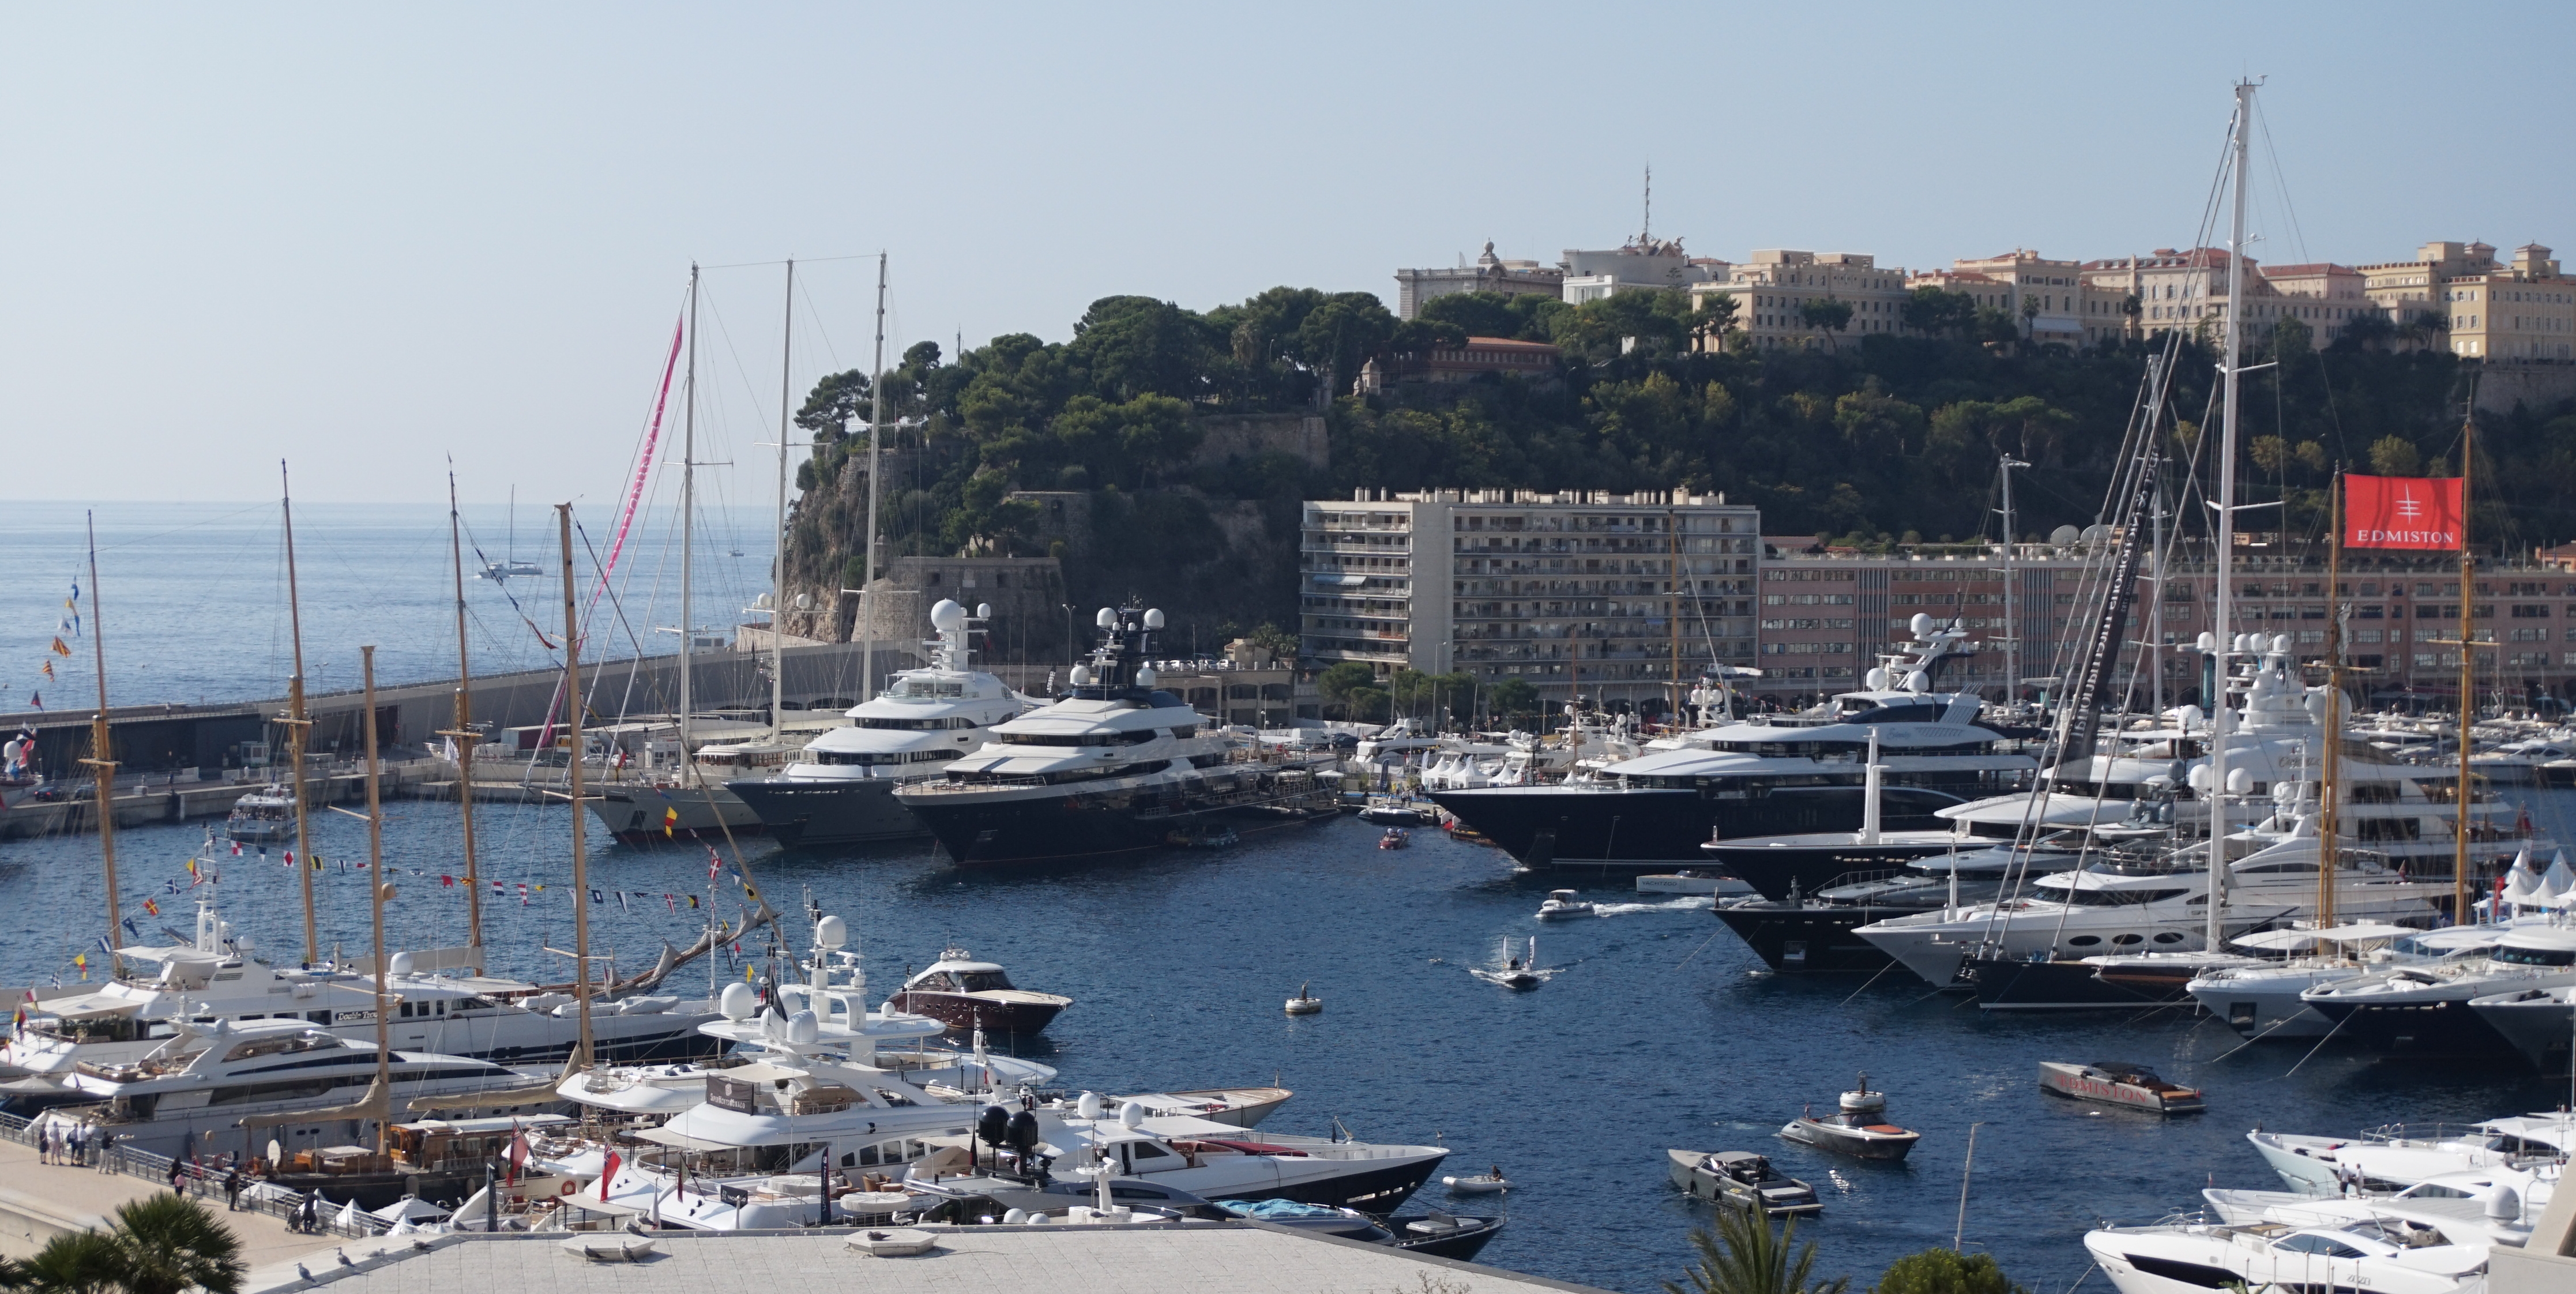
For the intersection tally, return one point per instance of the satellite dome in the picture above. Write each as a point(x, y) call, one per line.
point(1107, 619)
point(1153, 618)
point(947, 617)
point(2064, 536)
point(831, 932)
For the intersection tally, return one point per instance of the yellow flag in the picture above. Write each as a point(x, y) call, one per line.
point(60, 649)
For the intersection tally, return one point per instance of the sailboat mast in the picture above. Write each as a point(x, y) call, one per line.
point(378, 889)
point(102, 754)
point(2233, 362)
point(299, 726)
point(2329, 829)
point(2468, 677)
point(868, 561)
point(778, 557)
point(688, 507)
point(463, 735)
point(1673, 610)
point(580, 855)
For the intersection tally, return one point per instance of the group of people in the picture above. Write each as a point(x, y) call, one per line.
point(79, 1145)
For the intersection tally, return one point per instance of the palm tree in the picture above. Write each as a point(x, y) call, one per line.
point(1747, 1257)
point(171, 1244)
point(78, 1262)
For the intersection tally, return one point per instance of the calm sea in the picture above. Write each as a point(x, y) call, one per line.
point(1658, 1030)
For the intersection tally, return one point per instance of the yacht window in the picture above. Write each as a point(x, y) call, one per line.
point(1057, 739)
point(1141, 736)
point(2513, 956)
point(937, 981)
point(2325, 1245)
point(2083, 941)
point(903, 725)
point(983, 981)
point(2120, 898)
point(1148, 1150)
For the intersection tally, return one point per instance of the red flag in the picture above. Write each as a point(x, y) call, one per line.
point(2402, 512)
point(518, 1155)
point(608, 1173)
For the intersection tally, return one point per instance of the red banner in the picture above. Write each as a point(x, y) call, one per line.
point(2401, 512)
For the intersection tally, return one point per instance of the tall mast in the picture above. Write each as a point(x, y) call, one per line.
point(299, 726)
point(2231, 361)
point(463, 734)
point(1673, 610)
point(778, 558)
point(2468, 676)
point(868, 562)
point(2329, 828)
point(580, 856)
point(378, 890)
point(688, 507)
point(2012, 622)
point(102, 755)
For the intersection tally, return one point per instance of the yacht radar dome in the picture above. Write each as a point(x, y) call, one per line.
point(983, 610)
point(1921, 624)
point(1131, 1116)
point(2208, 642)
point(1876, 679)
point(2064, 536)
point(804, 1027)
point(1153, 618)
point(1145, 676)
point(831, 932)
point(1107, 619)
point(1080, 676)
point(738, 1002)
point(2240, 781)
point(947, 616)
point(1088, 1106)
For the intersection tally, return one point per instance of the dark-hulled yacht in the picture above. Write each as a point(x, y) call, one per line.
point(1114, 766)
point(1770, 776)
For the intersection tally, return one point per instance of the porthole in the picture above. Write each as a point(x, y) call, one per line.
point(2169, 937)
point(2083, 941)
point(2126, 940)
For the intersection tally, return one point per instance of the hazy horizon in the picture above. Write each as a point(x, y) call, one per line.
point(366, 241)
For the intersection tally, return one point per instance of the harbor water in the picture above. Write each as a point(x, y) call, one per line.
point(1654, 1029)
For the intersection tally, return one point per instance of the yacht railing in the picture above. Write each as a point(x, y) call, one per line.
point(204, 1179)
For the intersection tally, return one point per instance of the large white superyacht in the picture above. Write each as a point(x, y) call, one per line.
point(841, 787)
point(1115, 766)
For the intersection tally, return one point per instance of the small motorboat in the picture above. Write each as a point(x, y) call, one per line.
point(1437, 1234)
point(1489, 1182)
point(1395, 838)
point(1743, 1180)
point(964, 993)
point(1305, 1003)
point(1522, 971)
point(1563, 903)
point(1396, 811)
point(2116, 1083)
point(1857, 1127)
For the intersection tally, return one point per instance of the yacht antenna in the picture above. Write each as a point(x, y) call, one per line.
point(868, 551)
point(2232, 359)
point(688, 627)
point(572, 688)
point(379, 890)
point(103, 753)
point(299, 727)
point(778, 559)
point(463, 735)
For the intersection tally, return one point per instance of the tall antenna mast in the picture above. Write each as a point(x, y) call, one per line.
point(778, 559)
point(2233, 357)
point(299, 727)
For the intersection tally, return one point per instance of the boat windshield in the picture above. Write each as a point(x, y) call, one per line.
point(982, 981)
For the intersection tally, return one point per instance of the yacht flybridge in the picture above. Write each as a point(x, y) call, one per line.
point(841, 787)
point(1113, 766)
point(1769, 776)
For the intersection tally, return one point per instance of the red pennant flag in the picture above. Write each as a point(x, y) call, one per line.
point(445, 879)
point(518, 1155)
point(2402, 512)
point(608, 1173)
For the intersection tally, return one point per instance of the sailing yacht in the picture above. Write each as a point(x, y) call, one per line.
point(1770, 776)
point(1112, 767)
point(841, 787)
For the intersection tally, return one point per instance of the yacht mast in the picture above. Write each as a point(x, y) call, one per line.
point(463, 734)
point(778, 558)
point(688, 518)
point(2012, 622)
point(299, 727)
point(2231, 362)
point(580, 859)
point(2329, 830)
point(2468, 675)
point(379, 889)
point(102, 755)
point(868, 561)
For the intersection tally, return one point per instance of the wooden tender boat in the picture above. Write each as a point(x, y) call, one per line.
point(1741, 1179)
point(2118, 1083)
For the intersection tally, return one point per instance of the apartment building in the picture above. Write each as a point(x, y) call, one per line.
point(1490, 273)
point(1769, 289)
point(1639, 265)
point(1577, 590)
point(2052, 293)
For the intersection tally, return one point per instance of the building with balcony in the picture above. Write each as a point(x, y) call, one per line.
point(1769, 289)
point(1640, 265)
point(1605, 594)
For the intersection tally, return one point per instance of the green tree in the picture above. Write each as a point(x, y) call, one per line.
point(1827, 316)
point(1512, 700)
point(76, 1262)
point(1746, 1256)
point(1338, 683)
point(2292, 339)
point(171, 1244)
point(1935, 312)
point(2395, 456)
point(1944, 1271)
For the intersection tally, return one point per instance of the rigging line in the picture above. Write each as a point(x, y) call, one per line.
point(1864, 984)
point(814, 316)
point(2321, 1044)
point(801, 260)
point(1696, 951)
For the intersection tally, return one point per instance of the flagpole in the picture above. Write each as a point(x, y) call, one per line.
point(378, 892)
point(2468, 666)
point(102, 753)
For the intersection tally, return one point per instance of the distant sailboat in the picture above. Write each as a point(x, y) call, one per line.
point(509, 565)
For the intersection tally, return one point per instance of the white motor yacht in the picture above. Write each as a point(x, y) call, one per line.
point(2464, 1205)
point(2398, 1156)
point(2424, 1010)
point(191, 1094)
point(2539, 1022)
point(2262, 1001)
point(263, 815)
point(2385, 1256)
point(841, 787)
point(1114, 767)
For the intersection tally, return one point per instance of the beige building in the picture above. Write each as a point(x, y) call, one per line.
point(1561, 590)
point(2405, 289)
point(2054, 290)
point(1769, 289)
point(2524, 312)
point(1639, 265)
point(1490, 273)
point(2322, 295)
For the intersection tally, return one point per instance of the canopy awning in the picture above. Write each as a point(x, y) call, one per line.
point(2279, 940)
point(1340, 581)
point(680, 1140)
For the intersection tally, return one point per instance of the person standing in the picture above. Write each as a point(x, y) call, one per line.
point(178, 1167)
point(233, 1189)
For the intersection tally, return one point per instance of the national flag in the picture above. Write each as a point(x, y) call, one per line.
point(715, 865)
point(518, 1152)
point(237, 849)
point(608, 1173)
point(622, 904)
point(670, 820)
point(2402, 512)
point(60, 649)
point(523, 894)
point(671, 901)
point(35, 700)
point(594, 897)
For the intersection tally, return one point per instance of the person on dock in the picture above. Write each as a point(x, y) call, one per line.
point(178, 1170)
point(233, 1189)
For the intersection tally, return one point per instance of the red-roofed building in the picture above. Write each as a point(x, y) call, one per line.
point(2322, 295)
point(1489, 358)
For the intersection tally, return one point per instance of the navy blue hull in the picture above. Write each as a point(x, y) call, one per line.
point(1637, 831)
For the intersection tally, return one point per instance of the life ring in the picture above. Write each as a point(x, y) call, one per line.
point(569, 1187)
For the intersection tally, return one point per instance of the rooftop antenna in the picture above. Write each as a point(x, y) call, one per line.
point(1646, 229)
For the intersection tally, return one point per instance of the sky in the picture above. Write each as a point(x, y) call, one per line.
point(371, 240)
